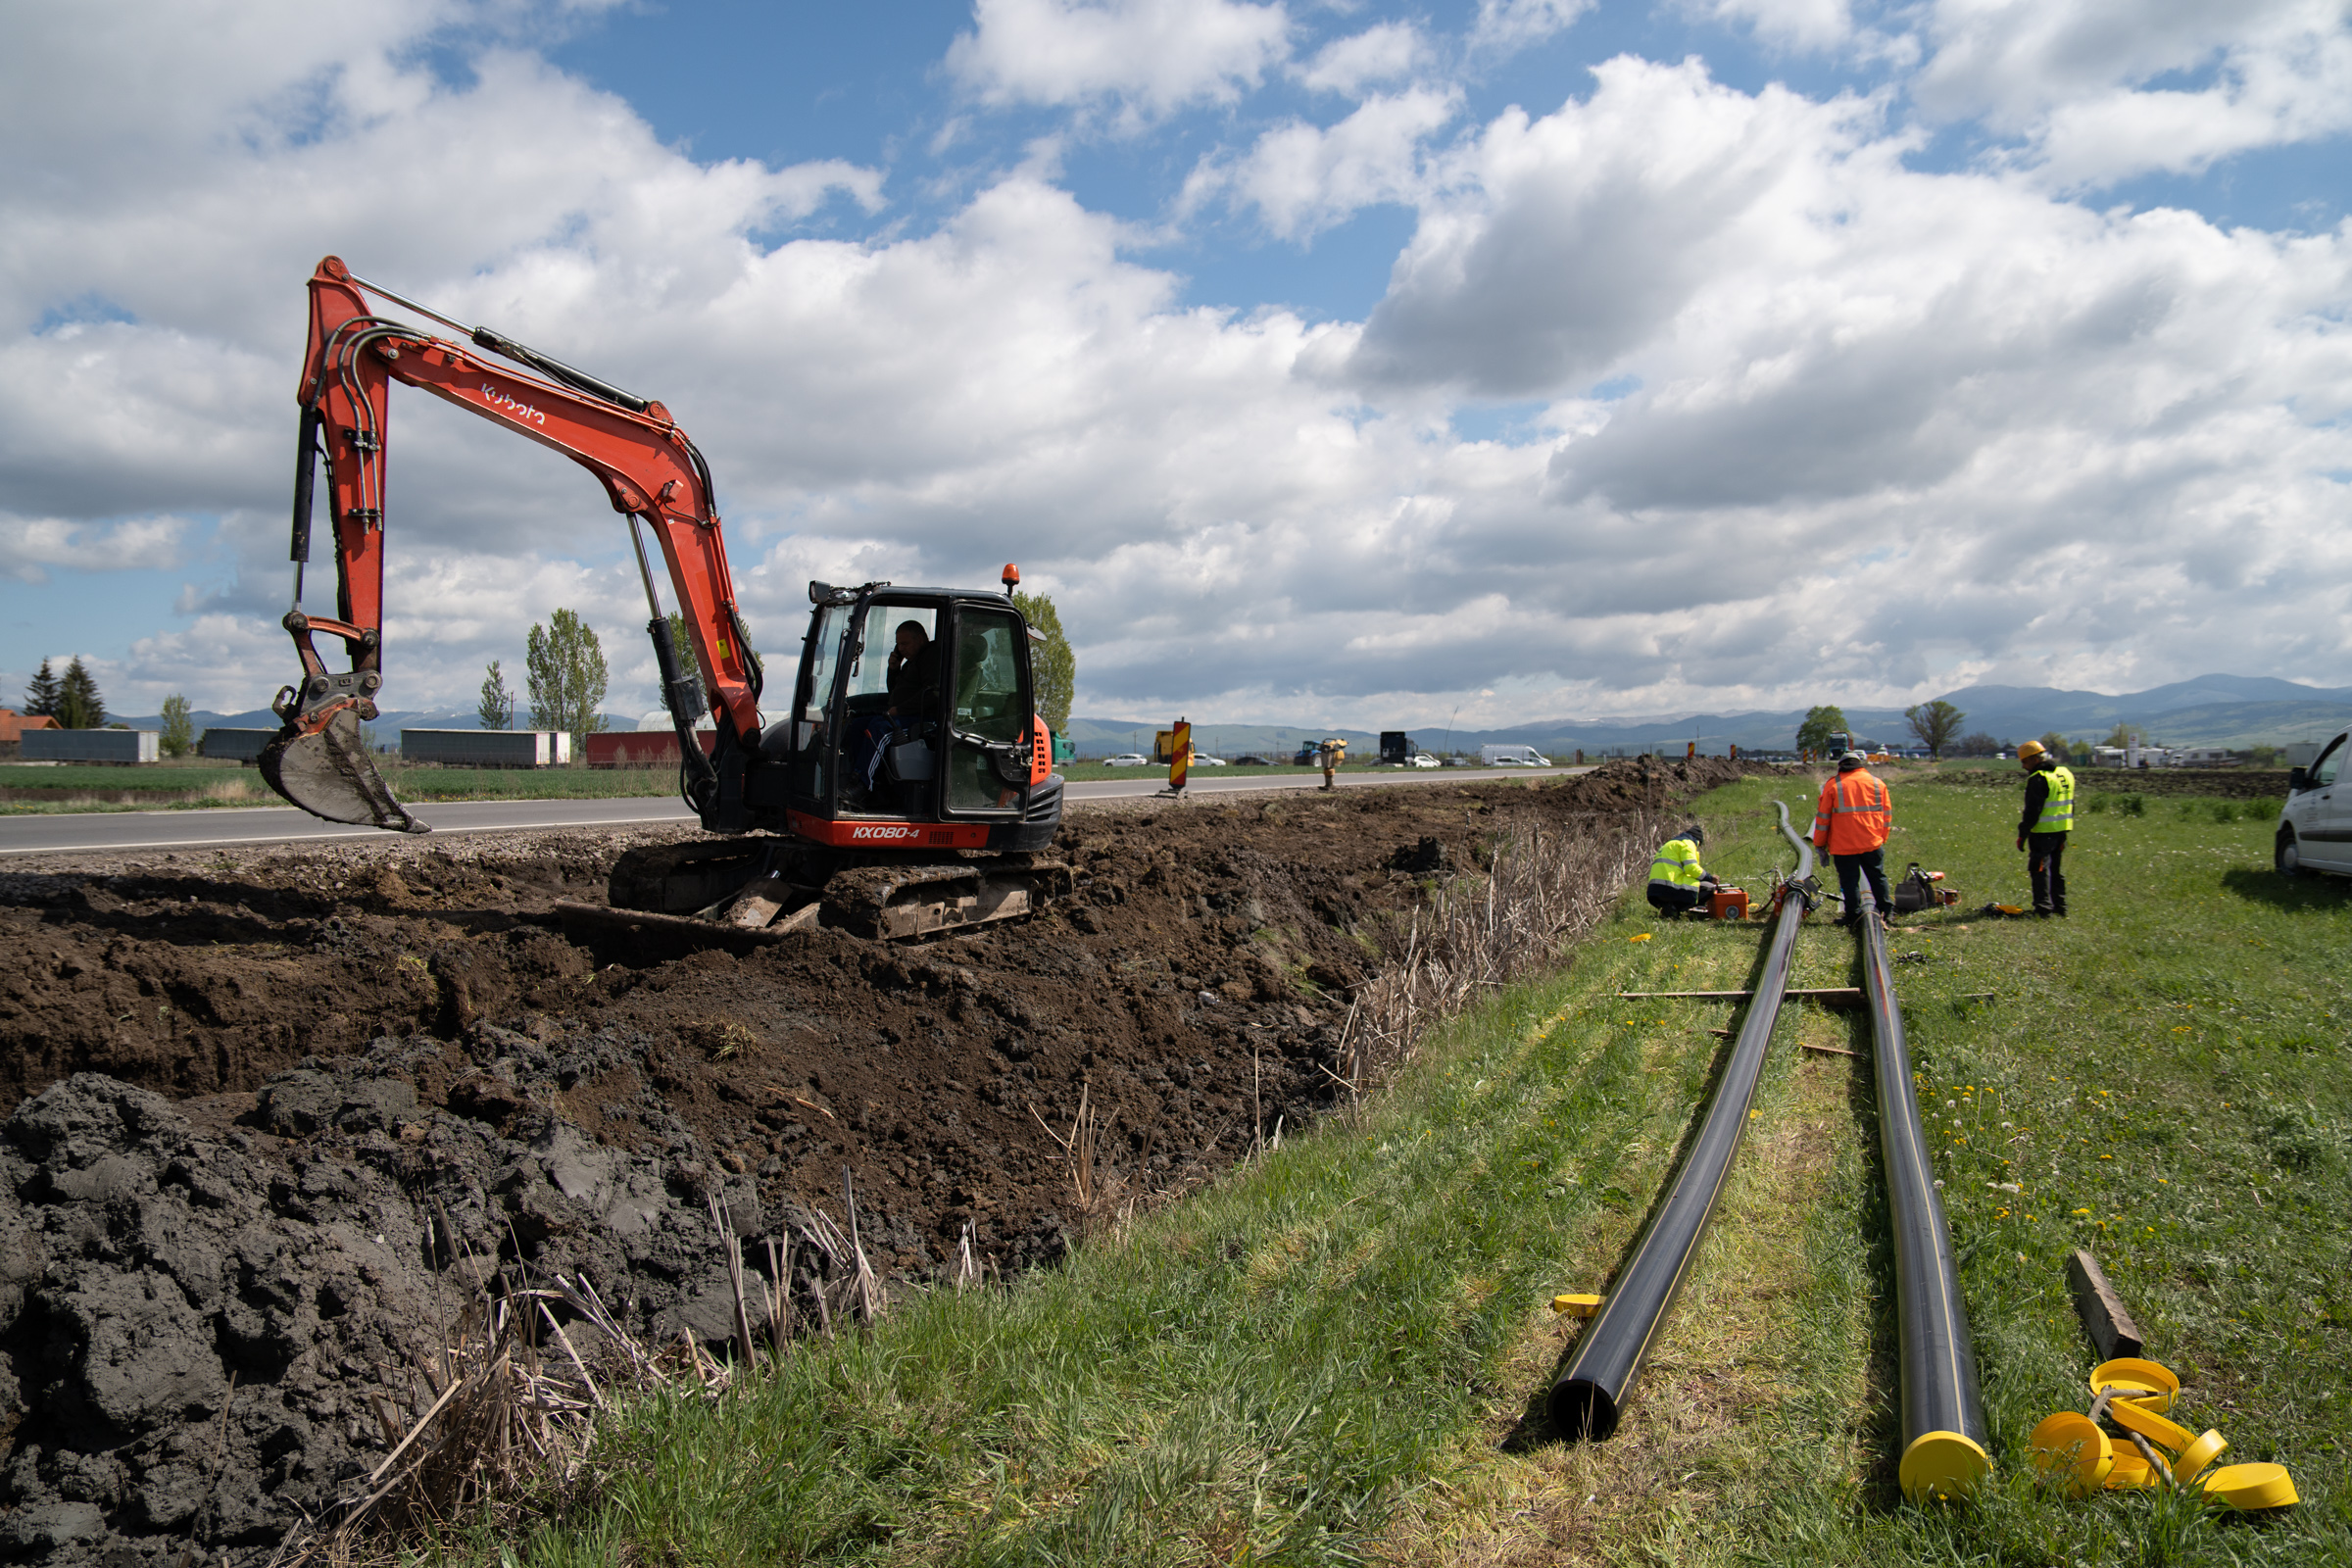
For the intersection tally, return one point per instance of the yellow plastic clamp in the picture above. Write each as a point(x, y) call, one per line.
point(2251, 1485)
point(2150, 1383)
point(2070, 1449)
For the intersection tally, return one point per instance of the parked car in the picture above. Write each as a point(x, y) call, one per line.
point(1422, 759)
point(1252, 762)
point(1127, 759)
point(2315, 827)
point(1203, 759)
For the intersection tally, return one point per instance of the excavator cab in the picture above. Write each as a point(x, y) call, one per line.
point(914, 722)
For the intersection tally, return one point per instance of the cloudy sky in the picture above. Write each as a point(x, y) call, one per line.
point(1327, 360)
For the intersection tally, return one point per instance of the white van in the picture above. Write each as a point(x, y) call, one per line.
point(1512, 757)
point(2314, 827)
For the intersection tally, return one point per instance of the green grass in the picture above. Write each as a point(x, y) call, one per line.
point(1326, 1356)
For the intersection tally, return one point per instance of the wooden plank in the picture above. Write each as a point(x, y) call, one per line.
point(2109, 1326)
point(1814, 994)
point(1826, 1050)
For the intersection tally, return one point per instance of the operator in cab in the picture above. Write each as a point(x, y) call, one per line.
point(1678, 883)
point(912, 679)
point(2043, 829)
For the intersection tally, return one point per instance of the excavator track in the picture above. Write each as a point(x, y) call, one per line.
point(761, 889)
point(896, 901)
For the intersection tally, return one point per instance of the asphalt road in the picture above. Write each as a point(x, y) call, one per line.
point(222, 827)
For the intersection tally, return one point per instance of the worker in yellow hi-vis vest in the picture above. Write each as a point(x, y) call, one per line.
point(1678, 883)
point(2043, 830)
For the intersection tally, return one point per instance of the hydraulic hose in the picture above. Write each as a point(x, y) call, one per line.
point(1944, 1418)
point(1587, 1397)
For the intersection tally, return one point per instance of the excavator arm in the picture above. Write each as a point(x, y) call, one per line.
point(648, 468)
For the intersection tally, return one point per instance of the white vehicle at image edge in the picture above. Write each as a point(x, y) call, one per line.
point(1127, 759)
point(2315, 827)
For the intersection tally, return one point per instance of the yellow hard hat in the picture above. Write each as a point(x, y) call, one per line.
point(2026, 751)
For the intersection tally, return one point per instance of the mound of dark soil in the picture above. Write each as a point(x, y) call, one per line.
point(290, 1107)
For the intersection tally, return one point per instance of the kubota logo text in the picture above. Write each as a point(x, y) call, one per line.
point(520, 410)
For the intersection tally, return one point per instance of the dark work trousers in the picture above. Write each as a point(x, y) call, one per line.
point(1852, 868)
point(1673, 901)
point(2045, 857)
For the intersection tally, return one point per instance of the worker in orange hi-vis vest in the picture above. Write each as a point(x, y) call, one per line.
point(1851, 822)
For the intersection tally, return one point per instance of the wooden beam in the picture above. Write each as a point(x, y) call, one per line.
point(2111, 1329)
point(1811, 994)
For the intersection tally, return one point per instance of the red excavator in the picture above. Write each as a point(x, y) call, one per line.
point(903, 793)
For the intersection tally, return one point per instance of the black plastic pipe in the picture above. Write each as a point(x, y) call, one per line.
point(1944, 1418)
point(1587, 1398)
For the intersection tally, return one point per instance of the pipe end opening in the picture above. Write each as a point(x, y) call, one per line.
point(1581, 1411)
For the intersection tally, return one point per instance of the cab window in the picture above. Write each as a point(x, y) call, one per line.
point(988, 676)
point(989, 708)
point(813, 738)
point(869, 673)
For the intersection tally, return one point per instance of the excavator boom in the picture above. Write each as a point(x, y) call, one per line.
point(648, 468)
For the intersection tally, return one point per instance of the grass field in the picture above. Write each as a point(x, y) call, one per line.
point(198, 785)
point(1337, 1354)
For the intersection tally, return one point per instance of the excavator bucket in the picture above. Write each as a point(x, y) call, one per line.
point(329, 774)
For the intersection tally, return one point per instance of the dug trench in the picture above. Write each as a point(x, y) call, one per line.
point(273, 1118)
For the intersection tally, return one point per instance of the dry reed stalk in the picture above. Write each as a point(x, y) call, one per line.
point(779, 1292)
point(1543, 888)
point(967, 1273)
point(868, 1295)
point(505, 1425)
point(725, 1223)
point(1096, 1197)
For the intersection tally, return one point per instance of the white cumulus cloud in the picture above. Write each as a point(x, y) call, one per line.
point(1148, 56)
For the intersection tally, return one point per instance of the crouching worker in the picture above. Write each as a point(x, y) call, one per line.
point(1678, 883)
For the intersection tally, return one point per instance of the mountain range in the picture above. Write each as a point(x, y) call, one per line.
point(2235, 710)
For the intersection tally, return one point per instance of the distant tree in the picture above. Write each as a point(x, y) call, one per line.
point(2125, 735)
point(682, 640)
point(41, 697)
point(78, 704)
point(1053, 663)
point(1978, 744)
point(1821, 723)
point(497, 707)
point(2263, 756)
point(179, 735)
point(1934, 723)
point(565, 668)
